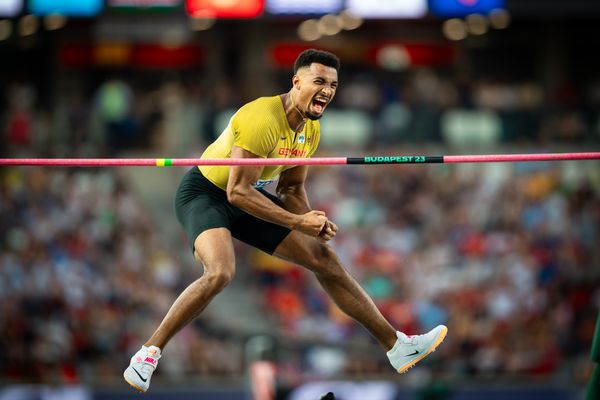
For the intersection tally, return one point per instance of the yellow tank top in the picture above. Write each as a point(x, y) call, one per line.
point(261, 127)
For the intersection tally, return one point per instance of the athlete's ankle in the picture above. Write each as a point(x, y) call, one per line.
point(148, 345)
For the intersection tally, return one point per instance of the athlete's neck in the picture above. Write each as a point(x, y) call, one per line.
point(295, 116)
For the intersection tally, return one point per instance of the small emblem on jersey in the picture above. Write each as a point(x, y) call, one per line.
point(301, 139)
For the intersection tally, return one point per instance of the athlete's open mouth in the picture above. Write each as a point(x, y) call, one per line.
point(319, 104)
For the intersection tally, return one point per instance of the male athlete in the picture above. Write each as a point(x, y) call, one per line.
point(217, 203)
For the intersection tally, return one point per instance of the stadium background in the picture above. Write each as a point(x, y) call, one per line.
point(506, 255)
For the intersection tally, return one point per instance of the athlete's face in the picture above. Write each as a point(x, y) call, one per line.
point(314, 87)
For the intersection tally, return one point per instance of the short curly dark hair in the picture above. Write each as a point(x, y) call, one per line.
point(310, 56)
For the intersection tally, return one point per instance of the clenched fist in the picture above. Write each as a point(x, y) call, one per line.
point(311, 223)
point(328, 232)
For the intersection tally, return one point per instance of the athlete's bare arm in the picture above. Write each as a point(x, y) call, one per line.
point(242, 194)
point(292, 194)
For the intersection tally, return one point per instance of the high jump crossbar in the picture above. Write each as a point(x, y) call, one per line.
point(368, 160)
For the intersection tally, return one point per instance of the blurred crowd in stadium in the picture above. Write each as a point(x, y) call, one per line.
point(504, 255)
point(422, 105)
point(83, 271)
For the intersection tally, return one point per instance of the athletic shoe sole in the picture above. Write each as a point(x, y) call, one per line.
point(435, 344)
point(132, 384)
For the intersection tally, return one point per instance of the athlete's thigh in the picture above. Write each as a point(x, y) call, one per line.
point(257, 232)
point(214, 249)
point(307, 251)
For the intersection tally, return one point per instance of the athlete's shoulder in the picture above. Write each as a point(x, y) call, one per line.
point(264, 110)
point(266, 105)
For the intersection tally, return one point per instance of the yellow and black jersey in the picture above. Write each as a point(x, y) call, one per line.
point(261, 127)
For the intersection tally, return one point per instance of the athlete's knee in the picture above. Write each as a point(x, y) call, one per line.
point(324, 262)
point(219, 276)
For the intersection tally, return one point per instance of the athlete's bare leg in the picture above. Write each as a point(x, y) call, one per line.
point(214, 250)
point(338, 283)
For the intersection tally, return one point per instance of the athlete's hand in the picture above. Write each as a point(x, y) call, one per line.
point(328, 232)
point(311, 223)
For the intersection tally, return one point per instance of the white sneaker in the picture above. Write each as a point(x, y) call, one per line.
point(409, 350)
point(141, 367)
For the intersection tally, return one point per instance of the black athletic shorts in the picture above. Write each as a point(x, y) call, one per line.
point(201, 205)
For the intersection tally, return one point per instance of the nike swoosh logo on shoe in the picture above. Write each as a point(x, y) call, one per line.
point(138, 374)
point(412, 354)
